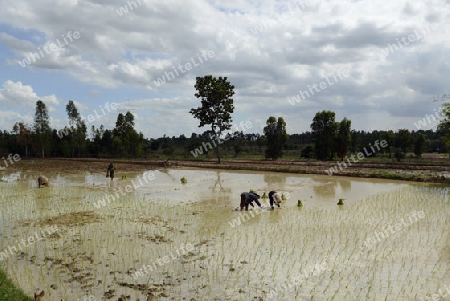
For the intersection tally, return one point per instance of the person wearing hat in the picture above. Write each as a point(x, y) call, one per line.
point(274, 197)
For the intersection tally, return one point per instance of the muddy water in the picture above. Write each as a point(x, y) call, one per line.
point(220, 186)
point(195, 246)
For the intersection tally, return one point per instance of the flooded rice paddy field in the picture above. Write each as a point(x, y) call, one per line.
point(149, 237)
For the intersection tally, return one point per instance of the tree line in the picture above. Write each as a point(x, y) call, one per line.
point(327, 140)
point(40, 140)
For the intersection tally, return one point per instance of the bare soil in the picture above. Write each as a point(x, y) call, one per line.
point(410, 171)
point(98, 251)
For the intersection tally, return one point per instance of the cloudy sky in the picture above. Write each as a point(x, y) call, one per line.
point(378, 63)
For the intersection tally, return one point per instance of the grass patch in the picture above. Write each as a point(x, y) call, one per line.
point(9, 292)
point(387, 175)
point(397, 176)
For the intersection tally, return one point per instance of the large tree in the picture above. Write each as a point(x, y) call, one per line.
point(23, 135)
point(419, 144)
point(324, 130)
point(72, 113)
point(403, 139)
point(389, 136)
point(240, 143)
point(78, 129)
point(343, 139)
point(217, 106)
point(127, 141)
point(444, 124)
point(276, 137)
point(42, 125)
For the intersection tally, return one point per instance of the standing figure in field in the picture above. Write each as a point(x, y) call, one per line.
point(274, 197)
point(42, 181)
point(247, 198)
point(110, 170)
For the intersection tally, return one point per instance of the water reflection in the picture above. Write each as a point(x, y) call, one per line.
point(325, 189)
point(221, 193)
point(345, 184)
point(224, 187)
point(218, 183)
point(11, 178)
point(332, 188)
point(166, 172)
point(275, 178)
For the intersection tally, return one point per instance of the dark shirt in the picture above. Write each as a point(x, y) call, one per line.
point(250, 197)
point(272, 201)
point(111, 169)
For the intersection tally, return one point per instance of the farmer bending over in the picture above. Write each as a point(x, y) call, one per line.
point(42, 181)
point(247, 198)
point(274, 198)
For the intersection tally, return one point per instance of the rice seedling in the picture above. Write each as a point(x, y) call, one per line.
point(110, 243)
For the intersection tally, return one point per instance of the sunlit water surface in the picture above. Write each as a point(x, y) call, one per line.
point(389, 241)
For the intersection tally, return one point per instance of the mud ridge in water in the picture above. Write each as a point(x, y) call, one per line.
point(334, 251)
point(69, 219)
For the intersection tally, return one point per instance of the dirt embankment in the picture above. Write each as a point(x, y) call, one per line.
point(421, 172)
point(66, 165)
point(436, 173)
